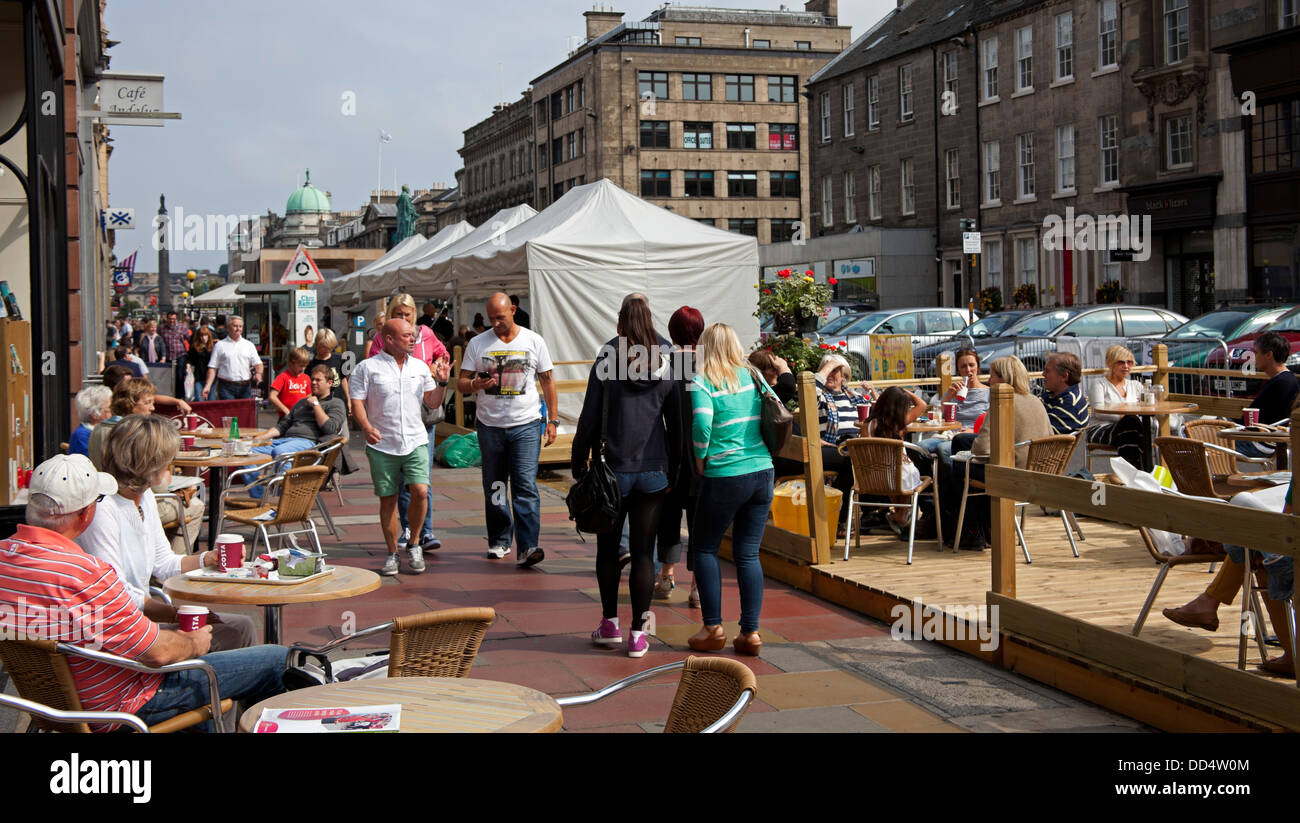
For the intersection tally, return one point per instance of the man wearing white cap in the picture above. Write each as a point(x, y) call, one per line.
point(53, 590)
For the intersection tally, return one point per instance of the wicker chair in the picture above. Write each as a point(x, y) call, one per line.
point(298, 490)
point(431, 644)
point(712, 696)
point(1221, 464)
point(878, 472)
point(330, 452)
point(40, 672)
point(1189, 465)
point(262, 477)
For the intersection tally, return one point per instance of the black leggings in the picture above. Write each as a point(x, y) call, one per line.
point(643, 511)
point(1126, 437)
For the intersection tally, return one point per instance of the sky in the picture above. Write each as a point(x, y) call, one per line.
point(262, 89)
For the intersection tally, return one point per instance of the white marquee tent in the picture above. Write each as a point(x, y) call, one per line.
point(379, 278)
point(430, 267)
point(220, 296)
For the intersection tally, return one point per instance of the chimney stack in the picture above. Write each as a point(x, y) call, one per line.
point(830, 8)
point(600, 21)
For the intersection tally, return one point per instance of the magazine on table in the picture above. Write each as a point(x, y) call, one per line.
point(386, 718)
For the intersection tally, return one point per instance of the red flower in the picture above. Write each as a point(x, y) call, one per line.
point(832, 280)
point(844, 344)
point(767, 291)
point(808, 273)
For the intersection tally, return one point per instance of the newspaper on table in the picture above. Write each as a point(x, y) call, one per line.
point(385, 718)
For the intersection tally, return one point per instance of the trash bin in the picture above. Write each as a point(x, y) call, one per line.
point(790, 506)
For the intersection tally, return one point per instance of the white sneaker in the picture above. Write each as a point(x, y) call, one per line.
point(498, 552)
point(530, 558)
point(415, 558)
point(390, 566)
point(404, 537)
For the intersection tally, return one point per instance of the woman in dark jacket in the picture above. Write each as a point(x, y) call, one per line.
point(684, 327)
point(642, 447)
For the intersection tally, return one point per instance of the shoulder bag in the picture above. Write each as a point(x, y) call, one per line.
point(596, 501)
point(776, 421)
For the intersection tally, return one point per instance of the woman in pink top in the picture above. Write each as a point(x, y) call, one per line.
point(429, 349)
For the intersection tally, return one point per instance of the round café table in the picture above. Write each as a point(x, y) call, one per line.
point(346, 581)
point(932, 427)
point(430, 704)
point(1163, 409)
point(1281, 439)
point(217, 465)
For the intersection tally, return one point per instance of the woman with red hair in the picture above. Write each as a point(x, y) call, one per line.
point(684, 327)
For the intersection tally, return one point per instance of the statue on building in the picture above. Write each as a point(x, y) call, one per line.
point(406, 215)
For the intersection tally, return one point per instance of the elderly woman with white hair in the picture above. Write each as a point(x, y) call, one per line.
point(92, 407)
point(838, 420)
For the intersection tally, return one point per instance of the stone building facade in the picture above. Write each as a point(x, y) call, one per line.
point(497, 158)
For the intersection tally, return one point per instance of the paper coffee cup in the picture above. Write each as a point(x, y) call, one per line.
point(1250, 416)
point(864, 412)
point(192, 618)
point(949, 412)
point(230, 551)
point(187, 443)
point(191, 423)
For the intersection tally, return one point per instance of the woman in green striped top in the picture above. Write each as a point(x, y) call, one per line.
point(735, 484)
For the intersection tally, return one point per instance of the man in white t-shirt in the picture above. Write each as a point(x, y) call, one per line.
point(386, 392)
point(501, 367)
point(235, 365)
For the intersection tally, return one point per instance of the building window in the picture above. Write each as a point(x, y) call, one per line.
point(1109, 267)
point(1178, 142)
point(569, 98)
point(698, 183)
point(873, 192)
point(541, 157)
point(1177, 24)
point(828, 203)
point(741, 136)
point(557, 151)
point(740, 88)
point(783, 183)
point(697, 86)
point(803, 45)
point(1108, 148)
point(850, 192)
point(1025, 187)
point(747, 226)
point(686, 41)
point(780, 89)
point(652, 85)
point(873, 103)
point(993, 263)
point(783, 136)
point(906, 187)
point(992, 174)
point(697, 135)
point(654, 134)
point(826, 116)
point(541, 112)
point(1025, 58)
point(846, 92)
point(1065, 46)
point(950, 165)
point(1064, 158)
point(656, 183)
point(707, 221)
point(762, 44)
point(742, 184)
point(1028, 254)
point(904, 93)
point(557, 191)
point(990, 51)
point(557, 105)
point(1288, 13)
point(582, 97)
point(783, 229)
point(950, 75)
point(1107, 33)
point(1275, 137)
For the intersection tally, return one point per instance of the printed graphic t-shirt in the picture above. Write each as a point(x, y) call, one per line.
point(514, 401)
point(292, 388)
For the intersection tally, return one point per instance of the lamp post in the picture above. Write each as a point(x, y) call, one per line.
point(189, 295)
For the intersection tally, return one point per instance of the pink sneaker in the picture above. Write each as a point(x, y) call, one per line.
point(607, 634)
point(638, 644)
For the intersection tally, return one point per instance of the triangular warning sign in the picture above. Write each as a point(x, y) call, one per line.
point(301, 269)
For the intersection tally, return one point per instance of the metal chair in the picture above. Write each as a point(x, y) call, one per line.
point(298, 490)
point(1166, 562)
point(878, 472)
point(712, 696)
point(330, 452)
point(1223, 462)
point(66, 718)
point(262, 477)
point(432, 644)
point(40, 672)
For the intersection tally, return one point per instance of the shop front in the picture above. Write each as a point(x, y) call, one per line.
point(1180, 273)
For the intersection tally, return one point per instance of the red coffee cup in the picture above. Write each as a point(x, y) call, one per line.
point(230, 552)
point(192, 618)
point(1250, 416)
point(864, 412)
point(191, 423)
point(187, 443)
point(950, 412)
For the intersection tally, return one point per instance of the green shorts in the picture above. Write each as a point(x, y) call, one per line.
point(389, 472)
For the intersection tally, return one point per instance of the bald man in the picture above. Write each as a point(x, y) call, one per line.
point(386, 392)
point(502, 367)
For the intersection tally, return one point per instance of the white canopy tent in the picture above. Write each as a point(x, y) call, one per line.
point(379, 279)
point(348, 287)
point(222, 295)
point(430, 267)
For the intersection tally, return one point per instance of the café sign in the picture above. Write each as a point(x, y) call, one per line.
point(134, 99)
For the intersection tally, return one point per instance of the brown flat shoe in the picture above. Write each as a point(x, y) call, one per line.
point(1193, 620)
point(708, 640)
point(1275, 667)
point(748, 644)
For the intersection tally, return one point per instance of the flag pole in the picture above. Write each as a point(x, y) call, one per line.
point(380, 170)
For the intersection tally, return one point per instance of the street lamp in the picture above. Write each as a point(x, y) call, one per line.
point(190, 276)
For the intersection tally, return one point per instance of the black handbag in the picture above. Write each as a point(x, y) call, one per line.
point(775, 420)
point(595, 501)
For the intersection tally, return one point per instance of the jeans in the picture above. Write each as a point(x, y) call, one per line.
point(251, 675)
point(279, 447)
point(1247, 448)
point(404, 498)
point(510, 456)
point(1279, 567)
point(941, 448)
point(744, 500)
point(669, 538)
point(226, 391)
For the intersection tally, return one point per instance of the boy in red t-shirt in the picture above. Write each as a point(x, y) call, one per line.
point(292, 384)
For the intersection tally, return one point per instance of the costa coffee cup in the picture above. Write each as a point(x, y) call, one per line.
point(191, 423)
point(864, 412)
point(949, 412)
point(230, 552)
point(187, 442)
point(192, 618)
point(1250, 416)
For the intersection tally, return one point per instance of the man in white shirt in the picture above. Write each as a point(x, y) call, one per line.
point(501, 368)
point(386, 392)
point(235, 365)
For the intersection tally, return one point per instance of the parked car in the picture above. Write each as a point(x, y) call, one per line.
point(1192, 344)
point(924, 324)
point(989, 326)
point(1241, 355)
point(835, 324)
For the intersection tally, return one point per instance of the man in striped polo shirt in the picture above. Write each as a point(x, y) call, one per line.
point(52, 590)
point(1063, 397)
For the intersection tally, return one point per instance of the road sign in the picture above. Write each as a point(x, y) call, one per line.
point(119, 218)
point(970, 242)
point(301, 269)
